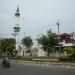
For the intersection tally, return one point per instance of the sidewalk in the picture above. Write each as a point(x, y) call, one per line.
point(49, 64)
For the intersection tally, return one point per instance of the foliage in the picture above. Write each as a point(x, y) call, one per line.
point(68, 57)
point(7, 45)
point(48, 41)
point(28, 42)
point(68, 49)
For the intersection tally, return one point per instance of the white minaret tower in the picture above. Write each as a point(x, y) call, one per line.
point(16, 27)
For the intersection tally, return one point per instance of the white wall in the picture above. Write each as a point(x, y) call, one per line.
point(41, 52)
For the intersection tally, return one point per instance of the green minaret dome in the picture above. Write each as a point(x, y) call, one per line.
point(17, 14)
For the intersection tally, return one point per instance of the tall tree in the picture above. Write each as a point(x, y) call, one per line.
point(48, 41)
point(8, 45)
point(28, 42)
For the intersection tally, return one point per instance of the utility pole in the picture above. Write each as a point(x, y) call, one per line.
point(58, 34)
point(0, 43)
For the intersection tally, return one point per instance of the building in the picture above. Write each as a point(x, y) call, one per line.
point(36, 51)
point(66, 39)
point(67, 43)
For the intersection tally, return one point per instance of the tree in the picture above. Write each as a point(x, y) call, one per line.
point(28, 42)
point(48, 41)
point(69, 49)
point(8, 45)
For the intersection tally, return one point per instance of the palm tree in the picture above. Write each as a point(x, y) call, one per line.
point(7, 46)
point(48, 41)
point(28, 42)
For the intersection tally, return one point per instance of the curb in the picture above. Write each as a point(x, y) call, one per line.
point(48, 64)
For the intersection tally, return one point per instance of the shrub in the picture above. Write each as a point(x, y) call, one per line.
point(69, 57)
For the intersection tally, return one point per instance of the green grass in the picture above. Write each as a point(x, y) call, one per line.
point(22, 58)
point(46, 57)
point(41, 59)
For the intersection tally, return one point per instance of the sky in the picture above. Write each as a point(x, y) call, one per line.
point(37, 16)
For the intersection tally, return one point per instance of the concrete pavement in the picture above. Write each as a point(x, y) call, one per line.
point(22, 69)
point(49, 64)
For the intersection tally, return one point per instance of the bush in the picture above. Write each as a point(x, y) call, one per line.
point(21, 58)
point(69, 57)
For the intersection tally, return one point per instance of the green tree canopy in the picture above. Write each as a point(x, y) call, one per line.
point(7, 45)
point(48, 41)
point(28, 42)
point(69, 49)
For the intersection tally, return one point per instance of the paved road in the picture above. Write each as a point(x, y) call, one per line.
point(21, 69)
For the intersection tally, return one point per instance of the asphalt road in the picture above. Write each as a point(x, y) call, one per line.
point(21, 69)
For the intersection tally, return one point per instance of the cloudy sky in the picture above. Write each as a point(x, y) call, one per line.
point(37, 16)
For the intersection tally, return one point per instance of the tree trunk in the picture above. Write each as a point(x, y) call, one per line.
point(48, 53)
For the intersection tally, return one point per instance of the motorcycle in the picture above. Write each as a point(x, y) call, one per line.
point(6, 63)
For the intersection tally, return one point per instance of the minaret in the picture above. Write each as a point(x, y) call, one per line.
point(17, 27)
